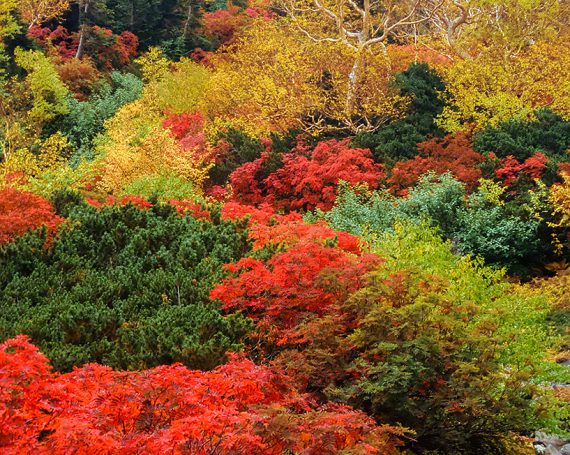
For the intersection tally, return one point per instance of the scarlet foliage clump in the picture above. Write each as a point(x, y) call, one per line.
point(184, 124)
point(293, 287)
point(195, 209)
point(512, 169)
point(21, 211)
point(107, 49)
point(269, 228)
point(125, 48)
point(110, 50)
point(246, 184)
point(451, 154)
point(264, 214)
point(309, 176)
point(188, 130)
point(64, 43)
point(237, 408)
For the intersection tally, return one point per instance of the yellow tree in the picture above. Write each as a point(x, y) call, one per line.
point(275, 78)
point(155, 153)
point(34, 12)
point(469, 26)
point(8, 27)
point(490, 89)
point(362, 27)
point(8, 24)
point(29, 103)
point(174, 87)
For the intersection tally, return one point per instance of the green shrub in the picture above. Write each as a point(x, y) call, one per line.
point(474, 225)
point(123, 286)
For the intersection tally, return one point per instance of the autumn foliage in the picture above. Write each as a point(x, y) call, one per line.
point(303, 281)
point(309, 176)
point(238, 407)
point(108, 50)
point(222, 25)
point(284, 227)
point(21, 211)
point(512, 169)
point(450, 154)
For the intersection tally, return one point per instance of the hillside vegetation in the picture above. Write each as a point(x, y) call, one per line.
point(284, 227)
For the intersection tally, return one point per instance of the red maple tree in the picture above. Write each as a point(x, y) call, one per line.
point(451, 154)
point(309, 176)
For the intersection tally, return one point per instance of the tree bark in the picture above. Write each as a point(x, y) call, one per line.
point(353, 80)
point(82, 27)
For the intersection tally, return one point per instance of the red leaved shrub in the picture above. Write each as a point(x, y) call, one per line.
point(21, 211)
point(239, 407)
point(450, 154)
point(511, 169)
point(296, 285)
point(309, 176)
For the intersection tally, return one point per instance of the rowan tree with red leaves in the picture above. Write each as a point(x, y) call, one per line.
point(221, 25)
point(292, 287)
point(512, 169)
point(266, 227)
point(107, 49)
point(309, 176)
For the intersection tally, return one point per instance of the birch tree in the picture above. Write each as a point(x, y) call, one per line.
point(362, 26)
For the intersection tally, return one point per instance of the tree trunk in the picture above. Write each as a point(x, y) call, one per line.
point(187, 22)
point(82, 27)
point(353, 81)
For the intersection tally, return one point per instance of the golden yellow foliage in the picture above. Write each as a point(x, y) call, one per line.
point(274, 78)
point(560, 200)
point(19, 166)
point(136, 145)
point(182, 90)
point(155, 154)
point(510, 26)
point(47, 91)
point(154, 65)
point(45, 171)
point(34, 12)
point(8, 23)
point(489, 89)
point(174, 87)
point(26, 164)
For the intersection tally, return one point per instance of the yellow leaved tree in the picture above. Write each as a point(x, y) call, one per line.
point(136, 145)
point(34, 12)
point(469, 27)
point(491, 89)
point(275, 78)
point(28, 103)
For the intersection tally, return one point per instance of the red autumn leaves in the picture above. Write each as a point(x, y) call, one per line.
point(21, 211)
point(237, 408)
